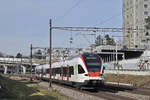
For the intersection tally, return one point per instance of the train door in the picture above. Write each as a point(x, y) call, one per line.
point(61, 73)
point(81, 72)
point(75, 76)
point(76, 70)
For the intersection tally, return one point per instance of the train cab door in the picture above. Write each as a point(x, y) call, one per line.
point(75, 78)
point(79, 71)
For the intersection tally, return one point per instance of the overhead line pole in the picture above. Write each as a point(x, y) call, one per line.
point(31, 62)
point(50, 55)
point(129, 39)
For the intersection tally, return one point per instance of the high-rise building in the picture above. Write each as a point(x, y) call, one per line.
point(134, 14)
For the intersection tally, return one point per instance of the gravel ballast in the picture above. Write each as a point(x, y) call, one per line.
point(71, 93)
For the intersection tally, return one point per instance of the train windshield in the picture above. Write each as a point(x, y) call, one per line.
point(92, 62)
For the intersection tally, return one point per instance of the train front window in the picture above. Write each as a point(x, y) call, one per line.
point(92, 62)
point(80, 69)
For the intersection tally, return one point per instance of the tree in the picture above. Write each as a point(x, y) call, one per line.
point(1, 54)
point(19, 55)
point(109, 41)
point(38, 54)
point(147, 20)
point(99, 40)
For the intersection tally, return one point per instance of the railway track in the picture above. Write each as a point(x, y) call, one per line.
point(113, 93)
point(106, 92)
point(129, 89)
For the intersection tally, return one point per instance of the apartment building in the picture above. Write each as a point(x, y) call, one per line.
point(134, 14)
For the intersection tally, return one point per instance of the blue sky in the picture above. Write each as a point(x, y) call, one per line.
point(23, 22)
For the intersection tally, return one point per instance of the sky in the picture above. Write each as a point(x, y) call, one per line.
point(23, 22)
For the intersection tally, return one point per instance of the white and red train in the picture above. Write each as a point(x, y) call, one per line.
point(83, 70)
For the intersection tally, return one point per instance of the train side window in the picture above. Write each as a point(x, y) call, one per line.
point(53, 72)
point(57, 70)
point(47, 71)
point(80, 69)
point(64, 71)
point(71, 71)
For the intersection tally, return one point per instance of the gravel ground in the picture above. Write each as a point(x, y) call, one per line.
point(138, 81)
point(71, 93)
point(134, 96)
point(83, 96)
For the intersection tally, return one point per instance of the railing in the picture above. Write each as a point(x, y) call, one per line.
point(20, 60)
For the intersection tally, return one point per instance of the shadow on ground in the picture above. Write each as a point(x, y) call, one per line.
point(17, 90)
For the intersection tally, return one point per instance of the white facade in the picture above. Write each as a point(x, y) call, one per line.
point(134, 14)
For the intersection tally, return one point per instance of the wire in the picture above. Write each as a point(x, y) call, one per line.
point(118, 14)
point(69, 10)
point(110, 18)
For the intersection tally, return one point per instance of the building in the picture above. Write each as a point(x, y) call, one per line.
point(134, 14)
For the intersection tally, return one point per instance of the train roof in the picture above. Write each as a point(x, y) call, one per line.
point(45, 66)
point(64, 62)
point(83, 54)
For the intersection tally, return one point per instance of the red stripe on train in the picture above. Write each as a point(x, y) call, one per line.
point(61, 73)
point(68, 74)
point(94, 74)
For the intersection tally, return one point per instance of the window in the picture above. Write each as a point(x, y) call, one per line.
point(127, 3)
point(47, 71)
point(57, 70)
point(137, 34)
point(146, 34)
point(145, 12)
point(71, 71)
point(127, 16)
point(92, 62)
point(53, 72)
point(145, 6)
point(65, 71)
point(80, 69)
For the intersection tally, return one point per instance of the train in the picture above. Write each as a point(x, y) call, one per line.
point(82, 70)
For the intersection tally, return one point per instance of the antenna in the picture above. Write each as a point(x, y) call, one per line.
point(71, 41)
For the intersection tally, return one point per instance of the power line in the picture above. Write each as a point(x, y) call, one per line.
point(118, 14)
point(95, 29)
point(110, 18)
point(69, 10)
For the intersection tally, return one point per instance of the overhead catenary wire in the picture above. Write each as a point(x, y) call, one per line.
point(69, 10)
point(116, 15)
point(94, 29)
